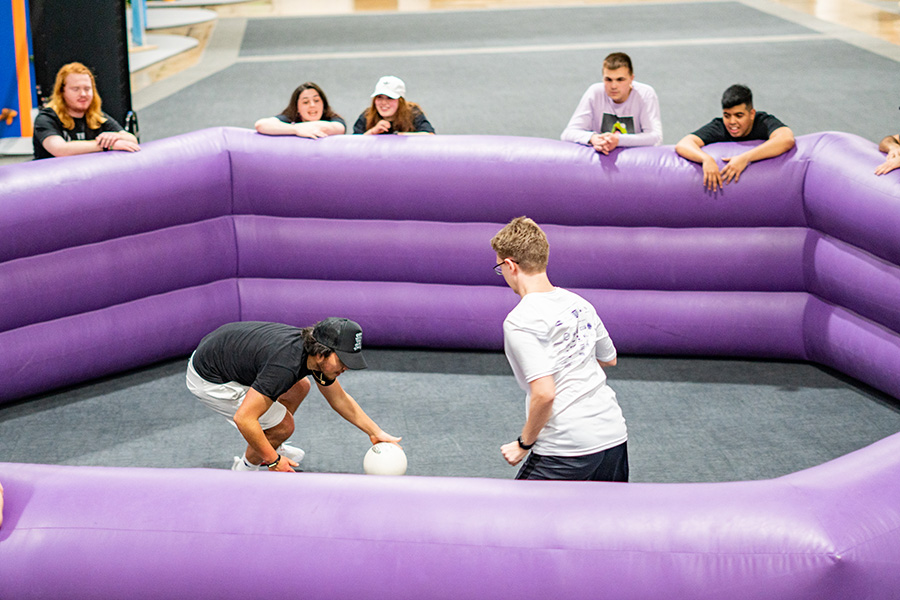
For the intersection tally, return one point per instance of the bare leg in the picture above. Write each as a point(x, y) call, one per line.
point(294, 396)
point(280, 433)
point(275, 435)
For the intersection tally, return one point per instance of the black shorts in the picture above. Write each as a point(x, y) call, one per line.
point(607, 465)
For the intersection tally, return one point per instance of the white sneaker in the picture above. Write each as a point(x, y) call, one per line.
point(291, 452)
point(240, 465)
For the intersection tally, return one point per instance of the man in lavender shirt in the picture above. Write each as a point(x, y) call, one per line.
point(619, 112)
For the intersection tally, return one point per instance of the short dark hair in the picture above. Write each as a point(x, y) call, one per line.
point(311, 346)
point(617, 60)
point(737, 94)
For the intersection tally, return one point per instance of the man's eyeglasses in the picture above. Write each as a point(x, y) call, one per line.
point(498, 268)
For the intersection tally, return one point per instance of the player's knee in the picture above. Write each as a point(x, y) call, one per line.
point(287, 425)
point(293, 397)
point(283, 430)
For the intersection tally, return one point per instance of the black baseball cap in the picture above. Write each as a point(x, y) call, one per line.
point(344, 337)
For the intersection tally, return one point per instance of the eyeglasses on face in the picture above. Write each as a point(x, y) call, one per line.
point(498, 268)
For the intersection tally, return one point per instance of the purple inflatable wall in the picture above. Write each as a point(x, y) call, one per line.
point(114, 261)
point(798, 261)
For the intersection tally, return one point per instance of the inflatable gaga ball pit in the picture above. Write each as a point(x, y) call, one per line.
point(797, 261)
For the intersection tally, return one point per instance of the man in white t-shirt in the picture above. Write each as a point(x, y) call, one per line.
point(617, 112)
point(557, 347)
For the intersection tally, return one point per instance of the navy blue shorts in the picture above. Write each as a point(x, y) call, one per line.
point(606, 465)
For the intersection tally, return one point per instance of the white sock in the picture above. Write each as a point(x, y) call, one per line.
point(247, 462)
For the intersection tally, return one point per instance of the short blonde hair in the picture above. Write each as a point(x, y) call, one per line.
point(525, 242)
point(93, 116)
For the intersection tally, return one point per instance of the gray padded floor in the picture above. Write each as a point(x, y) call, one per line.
point(689, 419)
point(508, 72)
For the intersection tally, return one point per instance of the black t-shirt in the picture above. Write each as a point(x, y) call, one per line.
point(268, 357)
point(420, 123)
point(334, 119)
point(763, 126)
point(47, 123)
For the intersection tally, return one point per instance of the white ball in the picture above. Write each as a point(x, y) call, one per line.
point(385, 458)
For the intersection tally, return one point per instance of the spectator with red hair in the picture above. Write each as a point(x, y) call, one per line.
point(390, 112)
point(72, 122)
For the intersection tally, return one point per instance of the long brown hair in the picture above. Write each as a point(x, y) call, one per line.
point(403, 119)
point(293, 115)
point(93, 116)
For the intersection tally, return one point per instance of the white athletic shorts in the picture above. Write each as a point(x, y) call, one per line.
point(226, 398)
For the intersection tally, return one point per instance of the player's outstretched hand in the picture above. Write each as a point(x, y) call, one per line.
point(381, 436)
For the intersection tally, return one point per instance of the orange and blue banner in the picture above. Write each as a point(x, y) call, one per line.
point(17, 91)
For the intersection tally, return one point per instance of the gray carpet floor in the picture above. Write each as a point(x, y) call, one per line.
point(521, 72)
point(508, 72)
point(689, 419)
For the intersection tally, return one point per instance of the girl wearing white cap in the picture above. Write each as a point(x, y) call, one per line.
point(391, 113)
point(306, 115)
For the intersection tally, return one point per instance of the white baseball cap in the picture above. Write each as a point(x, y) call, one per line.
point(390, 86)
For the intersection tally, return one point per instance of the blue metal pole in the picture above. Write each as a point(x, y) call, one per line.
point(138, 21)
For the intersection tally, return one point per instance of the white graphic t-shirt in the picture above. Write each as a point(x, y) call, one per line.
point(559, 333)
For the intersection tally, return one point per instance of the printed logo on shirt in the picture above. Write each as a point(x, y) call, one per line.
point(75, 134)
point(612, 123)
point(573, 339)
point(70, 136)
